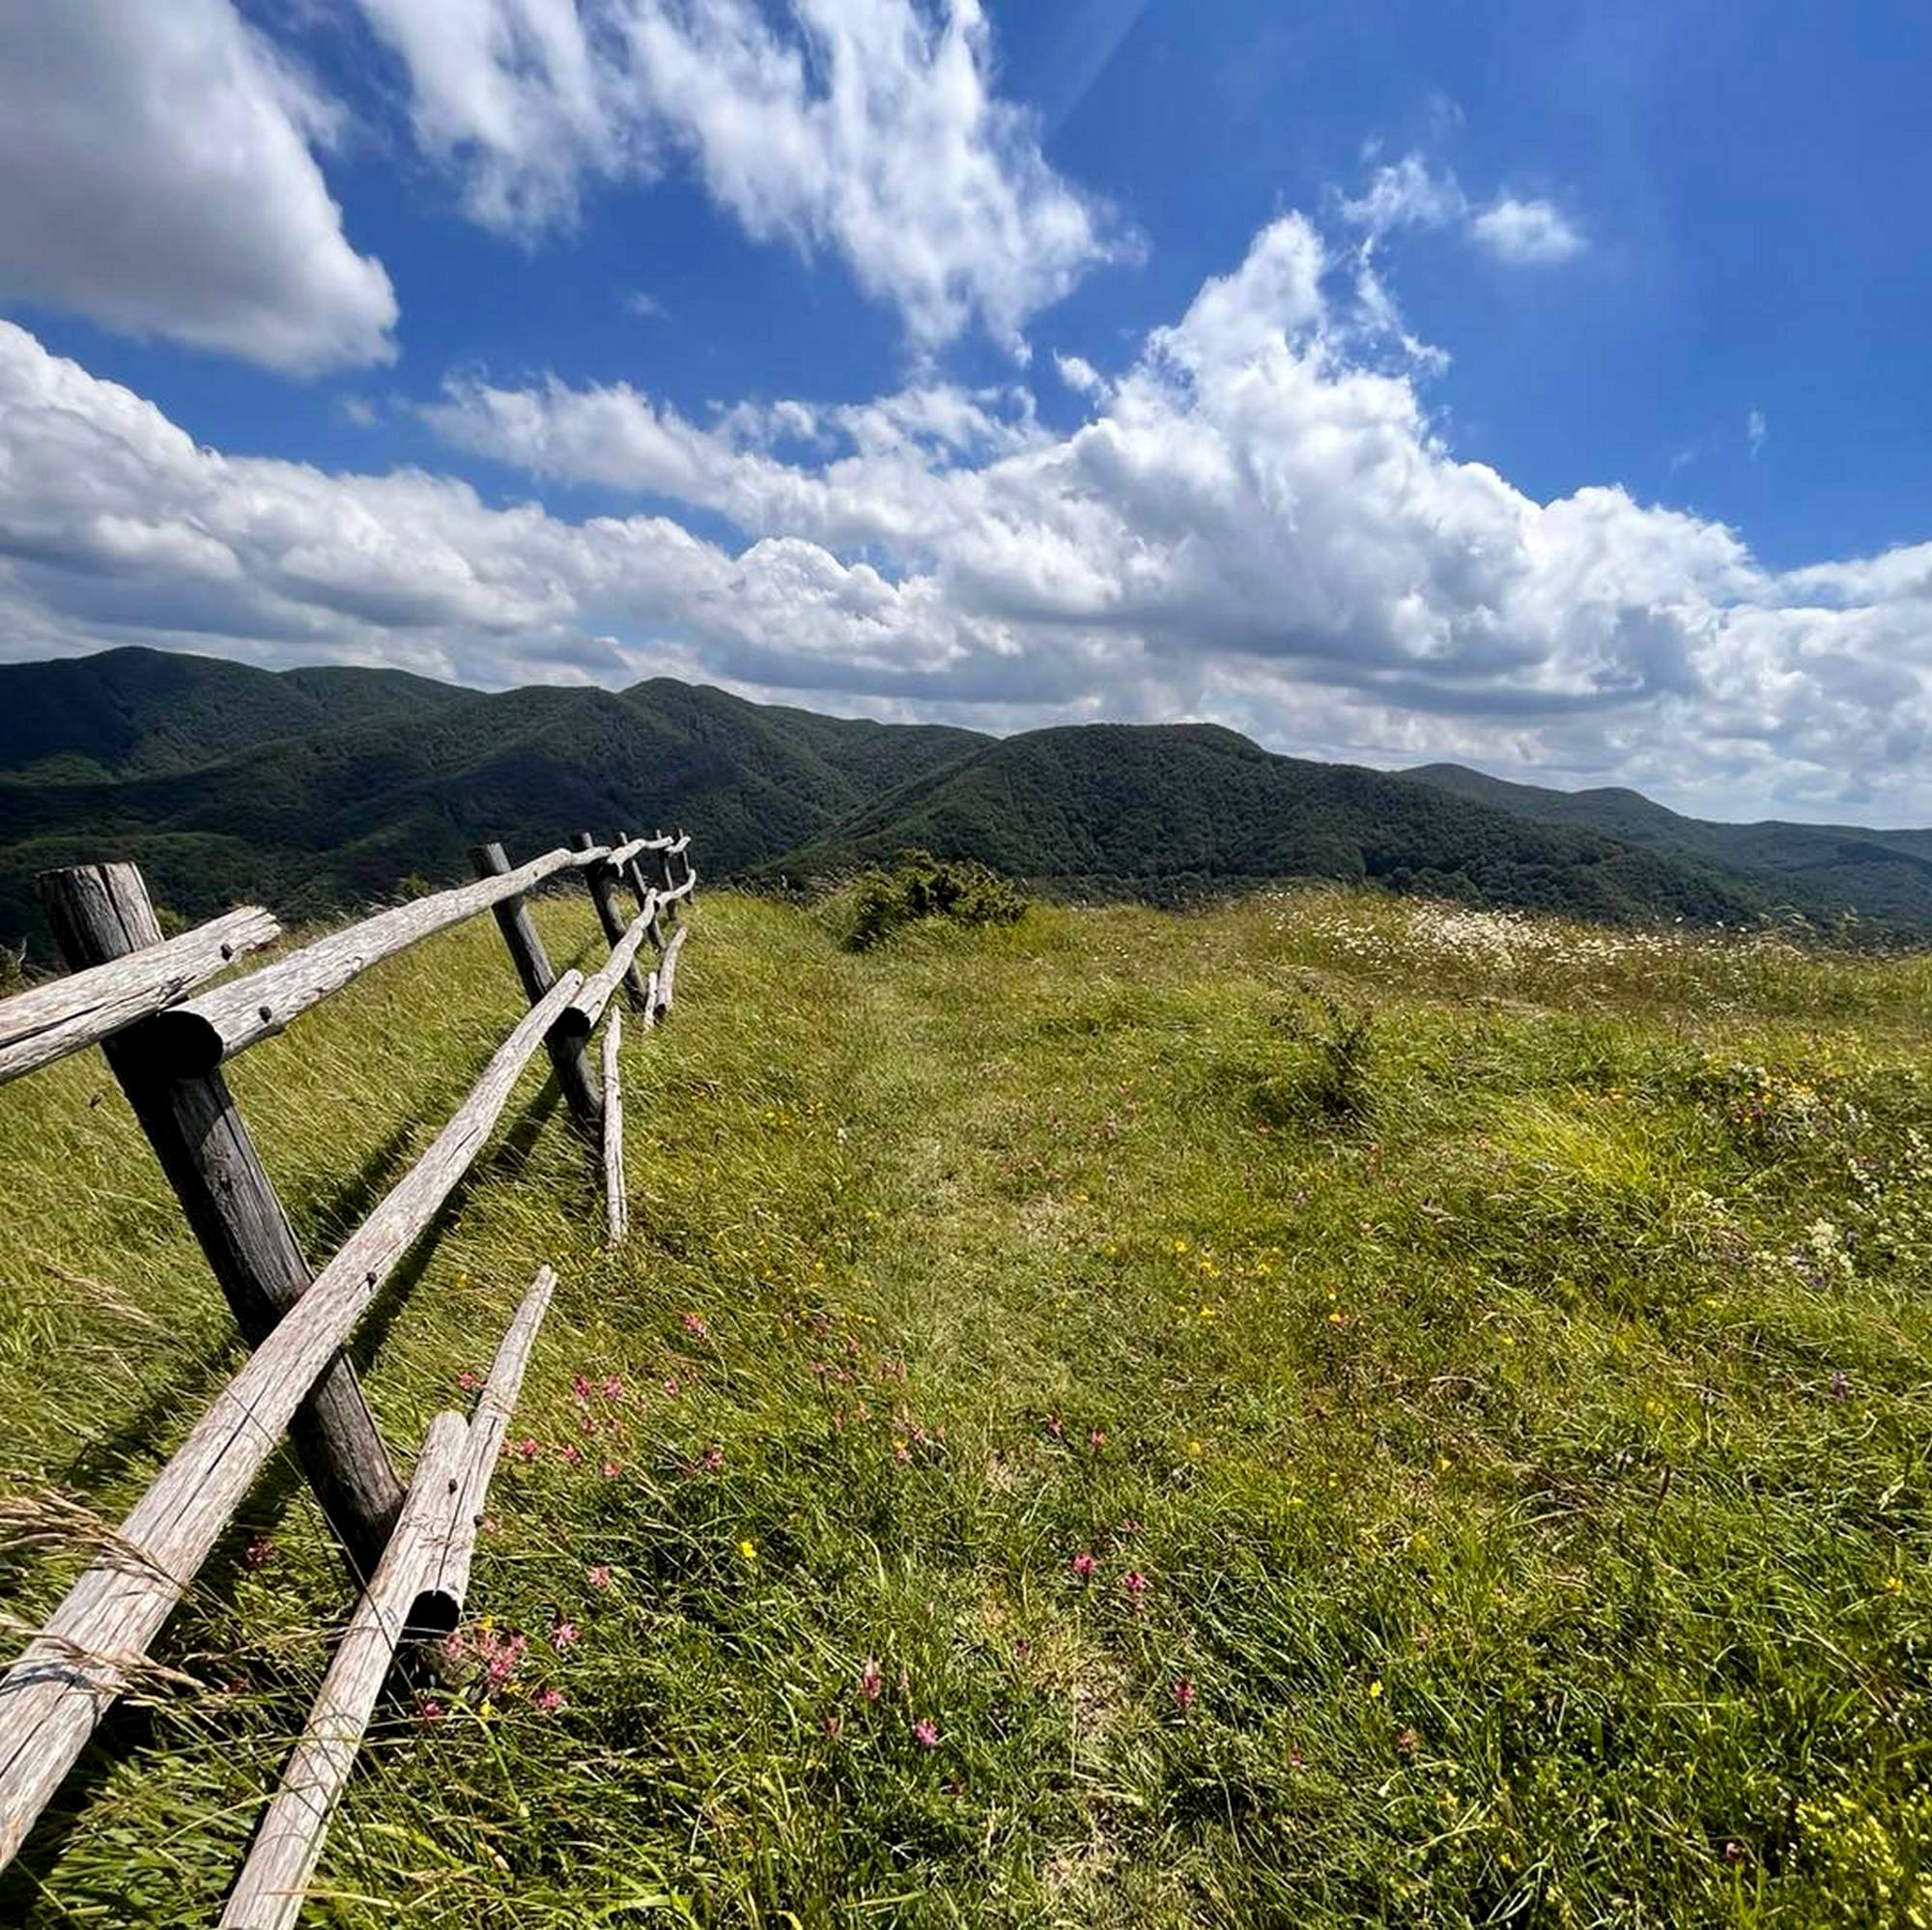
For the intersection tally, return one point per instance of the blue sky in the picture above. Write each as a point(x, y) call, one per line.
point(1542, 387)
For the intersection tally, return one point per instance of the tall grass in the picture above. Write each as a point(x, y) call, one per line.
point(1321, 1411)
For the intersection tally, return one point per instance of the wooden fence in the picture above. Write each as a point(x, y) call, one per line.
point(138, 997)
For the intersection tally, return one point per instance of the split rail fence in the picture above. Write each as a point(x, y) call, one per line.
point(139, 996)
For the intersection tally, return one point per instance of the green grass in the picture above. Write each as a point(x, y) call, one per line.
point(1518, 1420)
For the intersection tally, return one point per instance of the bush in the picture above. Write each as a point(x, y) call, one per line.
point(918, 886)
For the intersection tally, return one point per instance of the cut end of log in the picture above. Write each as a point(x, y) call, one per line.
point(181, 1044)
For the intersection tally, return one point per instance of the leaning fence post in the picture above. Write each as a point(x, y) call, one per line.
point(533, 962)
point(99, 912)
point(602, 881)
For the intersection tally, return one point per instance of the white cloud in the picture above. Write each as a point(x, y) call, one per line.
point(1257, 521)
point(645, 308)
point(1756, 433)
point(865, 127)
point(1407, 194)
point(1527, 233)
point(162, 179)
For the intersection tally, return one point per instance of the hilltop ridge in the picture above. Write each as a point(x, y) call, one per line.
point(318, 788)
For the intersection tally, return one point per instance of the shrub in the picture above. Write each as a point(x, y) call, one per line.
point(918, 886)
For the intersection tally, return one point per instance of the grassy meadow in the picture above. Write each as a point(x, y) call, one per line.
point(1319, 1411)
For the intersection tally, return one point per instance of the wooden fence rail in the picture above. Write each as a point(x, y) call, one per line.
point(125, 994)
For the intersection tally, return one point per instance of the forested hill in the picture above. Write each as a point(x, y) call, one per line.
point(1167, 811)
point(1826, 872)
point(316, 790)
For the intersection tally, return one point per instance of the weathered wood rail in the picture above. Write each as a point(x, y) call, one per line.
point(127, 992)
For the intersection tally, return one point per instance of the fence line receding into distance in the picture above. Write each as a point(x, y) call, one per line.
point(408, 1551)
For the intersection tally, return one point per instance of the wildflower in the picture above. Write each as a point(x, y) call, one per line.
point(468, 1382)
point(1406, 1741)
point(1184, 1695)
point(925, 1733)
point(1895, 1584)
point(1295, 1759)
point(749, 1548)
point(579, 1387)
point(1734, 1851)
point(1083, 1566)
point(1135, 1583)
point(1841, 1384)
point(713, 1458)
point(835, 1723)
point(1376, 1690)
point(696, 1325)
point(548, 1701)
point(563, 1634)
point(429, 1711)
point(1097, 1439)
point(1055, 1426)
point(670, 1387)
point(455, 1646)
point(571, 1452)
point(525, 1449)
point(871, 1678)
point(613, 1389)
point(599, 1577)
point(260, 1547)
point(1209, 1312)
point(1195, 1450)
point(490, 1525)
point(611, 1469)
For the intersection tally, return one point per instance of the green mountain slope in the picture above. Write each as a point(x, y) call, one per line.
point(339, 814)
point(140, 713)
point(1163, 810)
point(1826, 872)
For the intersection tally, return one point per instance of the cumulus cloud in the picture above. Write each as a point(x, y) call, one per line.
point(869, 129)
point(1526, 232)
point(1257, 521)
point(161, 179)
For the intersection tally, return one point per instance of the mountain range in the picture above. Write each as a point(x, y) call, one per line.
point(319, 788)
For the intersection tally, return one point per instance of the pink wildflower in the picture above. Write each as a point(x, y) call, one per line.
point(670, 1387)
point(455, 1646)
point(1184, 1695)
point(580, 1386)
point(696, 1325)
point(871, 1678)
point(571, 1452)
point(598, 1577)
point(1097, 1439)
point(525, 1449)
point(901, 1452)
point(468, 1382)
point(613, 1389)
point(429, 1711)
point(260, 1547)
point(1055, 1426)
point(563, 1634)
point(925, 1733)
point(1083, 1566)
point(548, 1701)
point(713, 1458)
point(490, 1525)
point(1135, 1583)
point(835, 1723)
point(613, 1469)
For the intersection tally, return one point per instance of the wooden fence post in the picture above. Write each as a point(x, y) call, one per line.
point(602, 881)
point(633, 876)
point(533, 962)
point(100, 912)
